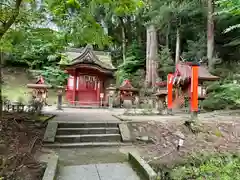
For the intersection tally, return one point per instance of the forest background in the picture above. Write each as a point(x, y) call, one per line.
point(34, 33)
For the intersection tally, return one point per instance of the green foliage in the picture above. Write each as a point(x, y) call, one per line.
point(53, 75)
point(84, 23)
point(137, 78)
point(121, 75)
point(229, 7)
point(166, 63)
point(196, 49)
point(219, 166)
point(135, 58)
point(222, 96)
point(131, 68)
point(34, 47)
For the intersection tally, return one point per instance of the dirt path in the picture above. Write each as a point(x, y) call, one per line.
point(217, 116)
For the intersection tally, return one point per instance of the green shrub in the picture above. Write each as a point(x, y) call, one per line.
point(222, 96)
point(210, 167)
point(53, 75)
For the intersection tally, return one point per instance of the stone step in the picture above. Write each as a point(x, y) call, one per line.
point(87, 124)
point(87, 138)
point(86, 144)
point(94, 130)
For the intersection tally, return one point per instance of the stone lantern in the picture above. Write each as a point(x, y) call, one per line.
point(161, 96)
point(111, 92)
point(201, 91)
point(59, 95)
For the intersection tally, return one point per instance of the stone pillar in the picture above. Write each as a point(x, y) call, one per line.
point(111, 92)
point(59, 100)
point(137, 102)
point(110, 101)
point(127, 103)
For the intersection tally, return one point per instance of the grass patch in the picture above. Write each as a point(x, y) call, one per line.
point(43, 117)
point(15, 86)
point(204, 166)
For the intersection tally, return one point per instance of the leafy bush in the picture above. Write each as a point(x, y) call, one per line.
point(166, 63)
point(211, 167)
point(222, 96)
point(53, 75)
point(132, 68)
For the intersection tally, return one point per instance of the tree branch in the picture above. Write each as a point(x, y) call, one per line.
point(11, 20)
point(3, 4)
point(3, 22)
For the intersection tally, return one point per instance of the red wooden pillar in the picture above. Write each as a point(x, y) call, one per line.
point(170, 92)
point(194, 90)
point(74, 86)
point(98, 91)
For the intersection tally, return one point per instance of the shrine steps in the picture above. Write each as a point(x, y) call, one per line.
point(85, 145)
point(71, 125)
point(74, 134)
point(92, 130)
point(87, 138)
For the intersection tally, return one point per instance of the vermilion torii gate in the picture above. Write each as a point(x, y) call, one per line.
point(193, 93)
point(190, 79)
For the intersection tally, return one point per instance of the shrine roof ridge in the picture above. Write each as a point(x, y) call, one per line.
point(74, 56)
point(184, 69)
point(80, 50)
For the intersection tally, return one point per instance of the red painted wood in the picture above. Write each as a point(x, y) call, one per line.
point(88, 92)
point(170, 88)
point(69, 89)
point(74, 86)
point(194, 89)
point(88, 88)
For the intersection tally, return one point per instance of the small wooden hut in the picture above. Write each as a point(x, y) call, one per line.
point(90, 73)
point(182, 79)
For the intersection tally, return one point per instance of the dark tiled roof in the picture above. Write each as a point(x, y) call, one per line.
point(75, 56)
point(126, 85)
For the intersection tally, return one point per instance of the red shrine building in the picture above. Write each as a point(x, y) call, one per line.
point(90, 74)
point(183, 75)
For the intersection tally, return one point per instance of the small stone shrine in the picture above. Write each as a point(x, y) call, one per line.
point(127, 94)
point(161, 96)
point(39, 90)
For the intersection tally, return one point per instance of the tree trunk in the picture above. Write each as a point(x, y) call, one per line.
point(123, 39)
point(11, 18)
point(210, 34)
point(177, 53)
point(167, 35)
point(139, 33)
point(3, 29)
point(1, 98)
point(152, 56)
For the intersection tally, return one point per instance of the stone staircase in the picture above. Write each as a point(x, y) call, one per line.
point(69, 134)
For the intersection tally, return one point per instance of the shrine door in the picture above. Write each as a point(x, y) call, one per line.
point(88, 90)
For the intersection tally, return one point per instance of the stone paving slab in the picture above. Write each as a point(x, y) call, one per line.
point(82, 172)
point(118, 171)
point(81, 115)
point(111, 171)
